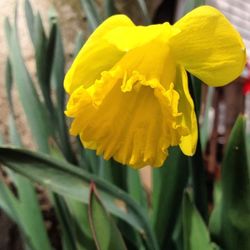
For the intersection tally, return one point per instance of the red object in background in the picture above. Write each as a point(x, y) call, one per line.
point(246, 87)
point(246, 76)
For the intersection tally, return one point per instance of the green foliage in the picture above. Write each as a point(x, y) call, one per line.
point(105, 232)
point(168, 185)
point(230, 221)
point(100, 204)
point(195, 232)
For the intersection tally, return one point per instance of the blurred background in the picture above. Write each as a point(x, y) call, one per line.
point(219, 107)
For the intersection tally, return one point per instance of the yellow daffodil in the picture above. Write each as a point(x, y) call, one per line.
point(128, 86)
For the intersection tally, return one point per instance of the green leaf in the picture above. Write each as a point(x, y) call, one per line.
point(93, 160)
point(42, 62)
point(198, 179)
point(1, 139)
point(91, 11)
point(33, 108)
point(39, 40)
point(231, 218)
point(57, 78)
point(118, 174)
point(204, 128)
point(143, 6)
point(135, 188)
point(78, 42)
point(198, 175)
point(9, 83)
point(80, 223)
point(196, 235)
point(58, 68)
point(169, 182)
point(7, 31)
point(30, 19)
point(65, 221)
point(8, 202)
point(191, 4)
point(34, 226)
point(105, 232)
point(67, 214)
point(109, 8)
point(72, 182)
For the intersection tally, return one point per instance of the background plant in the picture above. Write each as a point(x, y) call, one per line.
point(100, 204)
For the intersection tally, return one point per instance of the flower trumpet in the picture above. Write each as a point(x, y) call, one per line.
point(128, 86)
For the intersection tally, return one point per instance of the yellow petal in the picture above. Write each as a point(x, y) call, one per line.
point(186, 107)
point(134, 125)
point(153, 61)
point(96, 55)
point(209, 47)
point(127, 38)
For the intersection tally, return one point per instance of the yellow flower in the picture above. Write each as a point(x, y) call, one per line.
point(128, 87)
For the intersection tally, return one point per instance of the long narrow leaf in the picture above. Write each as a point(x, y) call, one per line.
point(106, 234)
point(191, 4)
point(8, 83)
point(78, 43)
point(109, 8)
point(230, 221)
point(204, 129)
point(33, 108)
point(1, 139)
point(198, 176)
point(72, 182)
point(7, 31)
point(169, 184)
point(42, 62)
point(80, 223)
point(57, 76)
point(196, 235)
point(62, 212)
point(33, 227)
point(30, 19)
point(135, 187)
point(90, 9)
point(144, 10)
point(8, 202)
